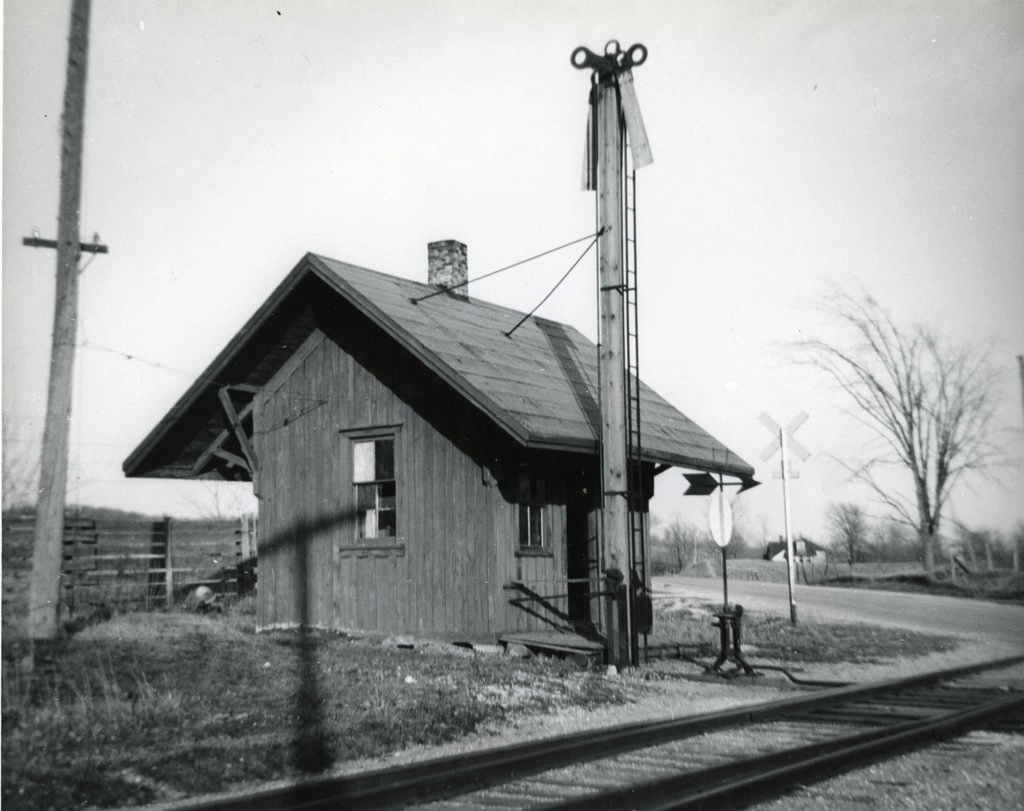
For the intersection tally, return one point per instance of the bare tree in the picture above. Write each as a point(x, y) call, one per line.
point(764, 535)
point(1016, 541)
point(216, 500)
point(848, 527)
point(741, 545)
point(679, 544)
point(892, 541)
point(20, 476)
point(971, 540)
point(929, 402)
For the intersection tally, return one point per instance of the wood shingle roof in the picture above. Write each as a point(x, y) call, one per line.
point(540, 385)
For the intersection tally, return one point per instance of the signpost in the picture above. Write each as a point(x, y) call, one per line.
point(720, 515)
point(784, 441)
point(720, 521)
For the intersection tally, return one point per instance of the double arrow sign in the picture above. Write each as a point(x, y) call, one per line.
point(702, 484)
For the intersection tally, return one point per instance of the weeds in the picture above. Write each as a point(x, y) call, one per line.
point(85, 707)
point(147, 707)
point(996, 585)
point(775, 638)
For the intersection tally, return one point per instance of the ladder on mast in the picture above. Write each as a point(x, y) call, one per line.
point(634, 461)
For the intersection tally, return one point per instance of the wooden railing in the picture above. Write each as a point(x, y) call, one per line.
point(565, 604)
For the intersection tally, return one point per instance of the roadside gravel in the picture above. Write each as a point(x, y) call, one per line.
point(980, 771)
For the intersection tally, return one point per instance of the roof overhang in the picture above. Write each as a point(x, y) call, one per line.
point(149, 458)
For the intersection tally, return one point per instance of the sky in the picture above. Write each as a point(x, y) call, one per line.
point(797, 145)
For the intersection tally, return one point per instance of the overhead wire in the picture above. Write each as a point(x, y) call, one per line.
point(551, 292)
point(82, 443)
point(418, 299)
point(87, 344)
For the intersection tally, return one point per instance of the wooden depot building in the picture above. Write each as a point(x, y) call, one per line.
point(418, 470)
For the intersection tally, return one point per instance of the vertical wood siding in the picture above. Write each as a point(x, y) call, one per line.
point(457, 520)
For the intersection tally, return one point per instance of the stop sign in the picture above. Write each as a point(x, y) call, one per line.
point(720, 518)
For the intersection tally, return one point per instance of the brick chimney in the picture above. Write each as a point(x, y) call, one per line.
point(447, 265)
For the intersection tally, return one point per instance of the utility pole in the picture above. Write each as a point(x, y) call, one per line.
point(1020, 366)
point(44, 588)
point(1017, 540)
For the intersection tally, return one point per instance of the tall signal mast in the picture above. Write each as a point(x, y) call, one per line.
point(614, 122)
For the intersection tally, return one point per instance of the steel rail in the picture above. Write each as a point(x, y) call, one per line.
point(461, 774)
point(740, 783)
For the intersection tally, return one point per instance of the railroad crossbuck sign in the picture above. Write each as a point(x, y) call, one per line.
point(783, 441)
point(779, 433)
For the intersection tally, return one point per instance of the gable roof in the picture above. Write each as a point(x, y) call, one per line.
point(776, 550)
point(539, 385)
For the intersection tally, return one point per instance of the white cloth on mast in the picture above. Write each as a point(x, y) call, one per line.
point(638, 143)
point(639, 146)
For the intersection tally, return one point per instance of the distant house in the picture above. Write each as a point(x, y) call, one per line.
point(776, 550)
point(417, 469)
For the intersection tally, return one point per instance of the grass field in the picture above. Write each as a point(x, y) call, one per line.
point(152, 706)
point(774, 638)
point(146, 707)
point(997, 585)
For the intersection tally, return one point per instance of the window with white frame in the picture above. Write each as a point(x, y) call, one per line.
point(531, 511)
point(373, 475)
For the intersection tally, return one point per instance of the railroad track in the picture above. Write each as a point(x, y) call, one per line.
point(723, 759)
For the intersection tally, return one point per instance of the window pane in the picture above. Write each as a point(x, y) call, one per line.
point(362, 461)
point(366, 497)
point(373, 475)
point(524, 525)
point(536, 518)
point(384, 464)
point(386, 523)
point(524, 489)
point(367, 523)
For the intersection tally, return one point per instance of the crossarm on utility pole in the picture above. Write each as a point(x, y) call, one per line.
point(83, 247)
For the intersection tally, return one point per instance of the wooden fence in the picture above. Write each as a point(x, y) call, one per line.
point(130, 564)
